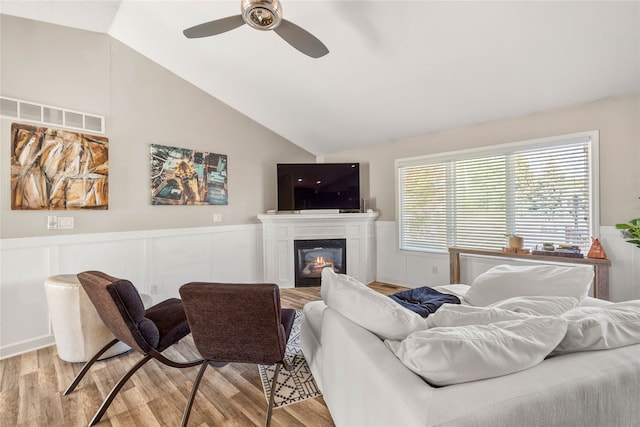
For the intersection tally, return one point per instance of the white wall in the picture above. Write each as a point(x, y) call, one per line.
point(154, 246)
point(158, 262)
point(166, 246)
point(143, 104)
point(617, 119)
point(414, 269)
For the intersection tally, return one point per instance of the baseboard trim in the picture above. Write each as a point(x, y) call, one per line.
point(26, 346)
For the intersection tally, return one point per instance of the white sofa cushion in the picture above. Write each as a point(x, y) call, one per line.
point(509, 309)
point(507, 281)
point(456, 289)
point(449, 315)
point(601, 328)
point(538, 305)
point(370, 309)
point(452, 355)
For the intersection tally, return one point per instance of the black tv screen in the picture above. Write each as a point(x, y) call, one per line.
point(304, 186)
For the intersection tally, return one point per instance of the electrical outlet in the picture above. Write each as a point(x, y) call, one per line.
point(154, 289)
point(217, 217)
point(434, 270)
point(65, 222)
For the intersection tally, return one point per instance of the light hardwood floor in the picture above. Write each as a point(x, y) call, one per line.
point(31, 387)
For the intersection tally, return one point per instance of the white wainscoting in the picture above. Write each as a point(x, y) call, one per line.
point(158, 262)
point(415, 269)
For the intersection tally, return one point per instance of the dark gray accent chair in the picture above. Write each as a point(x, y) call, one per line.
point(237, 323)
point(149, 332)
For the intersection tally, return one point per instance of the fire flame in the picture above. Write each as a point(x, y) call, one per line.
point(321, 262)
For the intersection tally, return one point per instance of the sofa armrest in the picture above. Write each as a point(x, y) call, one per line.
point(363, 382)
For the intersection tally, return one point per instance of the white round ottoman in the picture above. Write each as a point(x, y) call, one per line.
point(78, 330)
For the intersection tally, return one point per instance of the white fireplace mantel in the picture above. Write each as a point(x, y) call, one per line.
point(279, 231)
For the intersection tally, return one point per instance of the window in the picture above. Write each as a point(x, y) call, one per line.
point(542, 190)
point(43, 114)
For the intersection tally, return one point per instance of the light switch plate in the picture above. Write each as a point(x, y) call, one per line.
point(52, 222)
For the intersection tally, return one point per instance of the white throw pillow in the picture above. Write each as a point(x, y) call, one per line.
point(601, 328)
point(370, 309)
point(463, 315)
point(444, 356)
point(538, 306)
point(507, 281)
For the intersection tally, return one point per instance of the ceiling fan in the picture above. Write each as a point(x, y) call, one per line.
point(263, 15)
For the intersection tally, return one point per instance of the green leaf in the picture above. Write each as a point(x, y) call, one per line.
point(632, 233)
point(634, 242)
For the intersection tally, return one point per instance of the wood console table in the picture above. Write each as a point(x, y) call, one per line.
point(600, 266)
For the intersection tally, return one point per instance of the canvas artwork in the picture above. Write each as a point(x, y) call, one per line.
point(53, 169)
point(180, 176)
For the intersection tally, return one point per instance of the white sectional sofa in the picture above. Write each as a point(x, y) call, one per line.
point(365, 384)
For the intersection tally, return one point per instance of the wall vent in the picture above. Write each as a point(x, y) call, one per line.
point(47, 115)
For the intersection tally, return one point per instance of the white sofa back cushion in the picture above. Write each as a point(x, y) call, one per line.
point(601, 328)
point(464, 315)
point(507, 281)
point(452, 355)
point(370, 309)
point(538, 305)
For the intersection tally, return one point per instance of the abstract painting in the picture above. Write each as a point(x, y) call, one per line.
point(180, 176)
point(53, 169)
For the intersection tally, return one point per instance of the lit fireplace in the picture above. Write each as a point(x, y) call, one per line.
point(313, 266)
point(312, 256)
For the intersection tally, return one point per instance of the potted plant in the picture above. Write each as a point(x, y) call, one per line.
point(631, 231)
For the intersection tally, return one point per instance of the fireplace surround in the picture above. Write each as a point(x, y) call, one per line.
point(280, 231)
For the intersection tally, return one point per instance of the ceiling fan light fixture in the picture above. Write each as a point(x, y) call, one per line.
point(262, 14)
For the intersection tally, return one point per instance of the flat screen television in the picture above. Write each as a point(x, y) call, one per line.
point(305, 186)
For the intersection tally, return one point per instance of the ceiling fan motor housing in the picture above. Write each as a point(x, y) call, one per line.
point(262, 14)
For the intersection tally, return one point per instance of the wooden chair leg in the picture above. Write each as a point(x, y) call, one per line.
point(274, 382)
point(114, 391)
point(88, 365)
point(192, 397)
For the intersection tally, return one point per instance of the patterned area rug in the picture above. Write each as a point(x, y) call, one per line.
point(296, 385)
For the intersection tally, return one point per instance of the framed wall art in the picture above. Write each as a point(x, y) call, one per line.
point(53, 169)
point(180, 176)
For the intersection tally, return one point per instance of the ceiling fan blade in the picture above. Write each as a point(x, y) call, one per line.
point(301, 39)
point(214, 27)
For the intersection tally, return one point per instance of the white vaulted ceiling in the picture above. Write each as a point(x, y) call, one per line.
point(395, 69)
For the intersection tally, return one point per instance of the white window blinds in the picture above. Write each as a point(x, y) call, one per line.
point(541, 190)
